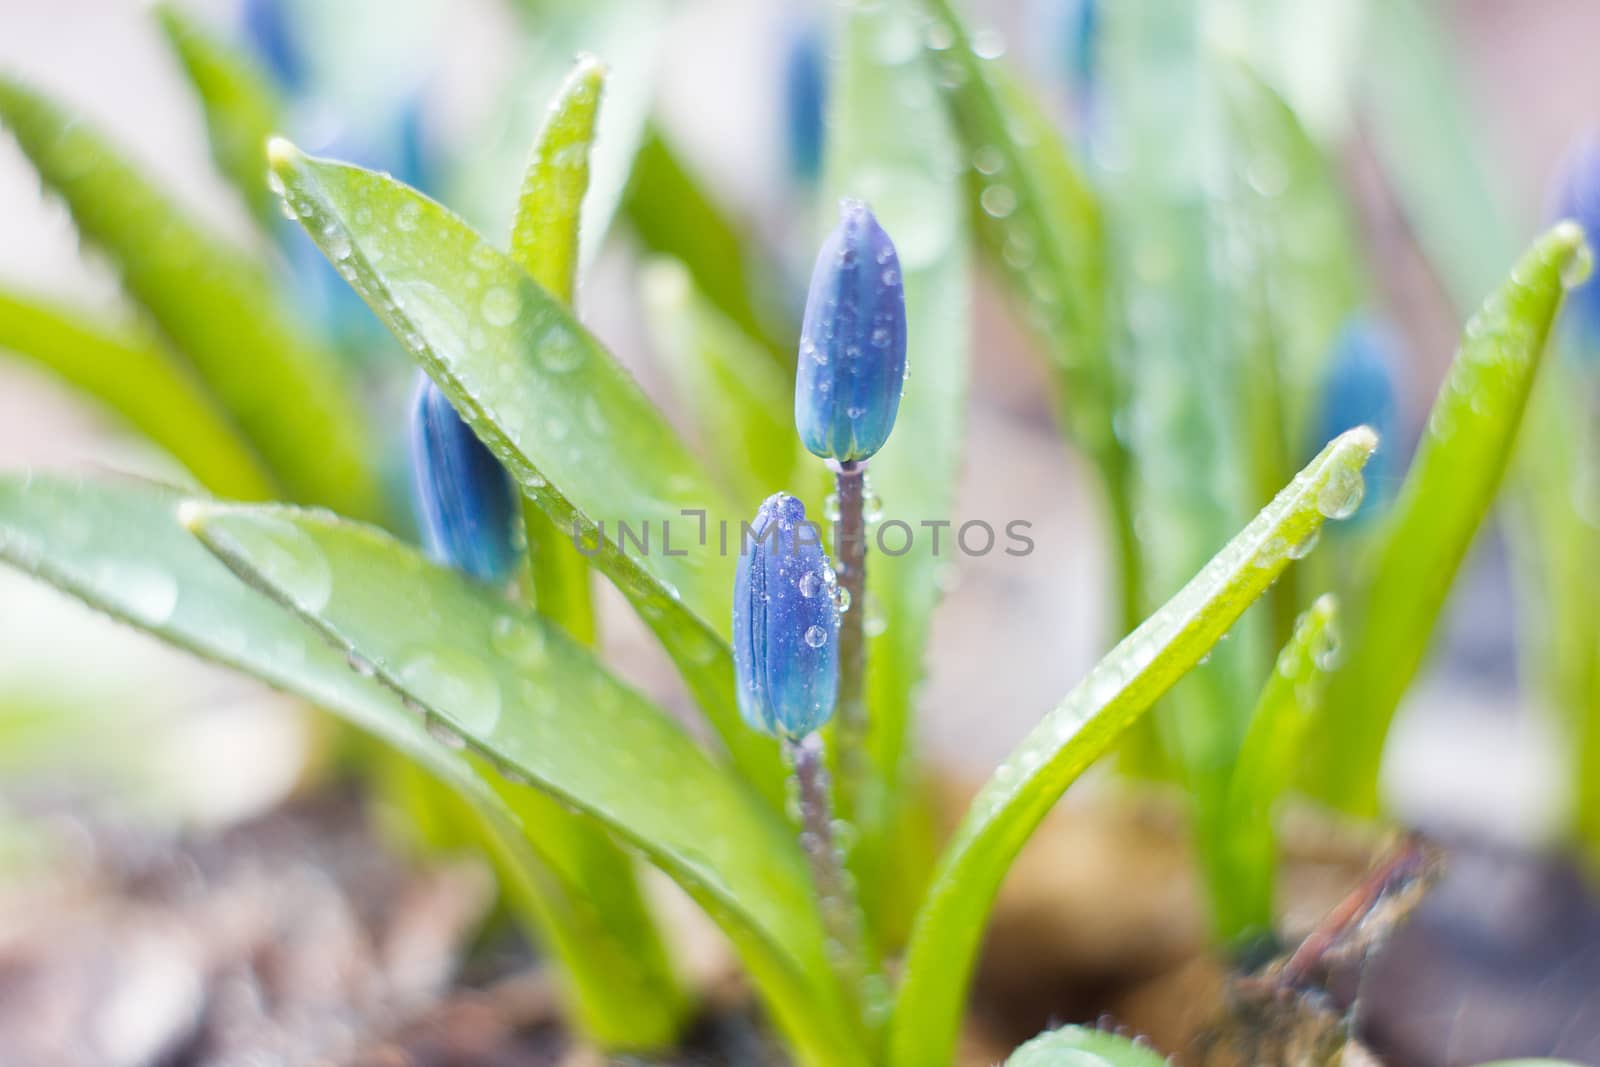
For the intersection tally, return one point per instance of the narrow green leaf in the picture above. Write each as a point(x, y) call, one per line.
point(1121, 687)
point(544, 233)
point(118, 546)
point(217, 307)
point(891, 145)
point(1267, 759)
point(672, 214)
point(241, 107)
point(568, 422)
point(1079, 1046)
point(740, 403)
point(515, 689)
point(136, 377)
point(545, 240)
point(1447, 492)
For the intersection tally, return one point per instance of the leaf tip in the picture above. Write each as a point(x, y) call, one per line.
point(282, 155)
point(1362, 441)
point(194, 514)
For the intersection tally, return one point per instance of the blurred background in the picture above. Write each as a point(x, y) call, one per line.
point(178, 739)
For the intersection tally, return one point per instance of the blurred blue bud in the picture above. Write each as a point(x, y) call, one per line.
point(466, 503)
point(1359, 390)
point(805, 87)
point(852, 365)
point(785, 622)
point(1577, 197)
point(271, 38)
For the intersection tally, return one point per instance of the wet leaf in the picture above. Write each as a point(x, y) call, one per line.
point(1447, 492)
point(217, 307)
point(1079, 1046)
point(521, 694)
point(950, 923)
point(1265, 767)
point(569, 422)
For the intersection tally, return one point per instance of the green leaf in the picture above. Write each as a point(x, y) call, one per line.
point(891, 145)
point(216, 306)
point(673, 215)
point(1267, 759)
point(568, 422)
point(544, 233)
point(1079, 1046)
point(544, 239)
point(118, 547)
point(1447, 492)
point(1082, 728)
point(136, 377)
point(515, 689)
point(241, 107)
point(740, 403)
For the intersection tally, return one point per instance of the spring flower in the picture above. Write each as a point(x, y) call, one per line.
point(466, 504)
point(785, 623)
point(1359, 390)
point(1578, 198)
point(852, 364)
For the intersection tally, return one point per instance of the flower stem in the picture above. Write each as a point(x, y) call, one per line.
point(841, 912)
point(850, 555)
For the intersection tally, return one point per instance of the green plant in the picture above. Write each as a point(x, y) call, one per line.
point(1190, 382)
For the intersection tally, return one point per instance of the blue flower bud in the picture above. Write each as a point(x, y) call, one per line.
point(1359, 390)
point(466, 503)
point(852, 364)
point(1578, 198)
point(785, 623)
point(805, 87)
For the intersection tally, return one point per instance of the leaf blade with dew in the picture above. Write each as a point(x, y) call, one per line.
point(241, 107)
point(1262, 773)
point(535, 702)
point(118, 547)
point(216, 306)
point(891, 145)
point(134, 375)
point(1076, 1046)
point(1447, 492)
point(950, 922)
point(517, 366)
point(545, 236)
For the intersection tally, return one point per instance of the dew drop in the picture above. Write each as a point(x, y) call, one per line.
point(1341, 495)
point(1578, 266)
point(1302, 548)
point(408, 216)
point(500, 306)
point(294, 562)
point(998, 201)
point(810, 584)
point(816, 636)
point(443, 733)
point(518, 640)
point(988, 44)
point(841, 599)
point(143, 593)
point(940, 36)
point(449, 678)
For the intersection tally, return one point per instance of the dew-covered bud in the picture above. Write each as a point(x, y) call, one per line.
point(785, 623)
point(1577, 197)
point(466, 503)
point(1359, 390)
point(852, 364)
